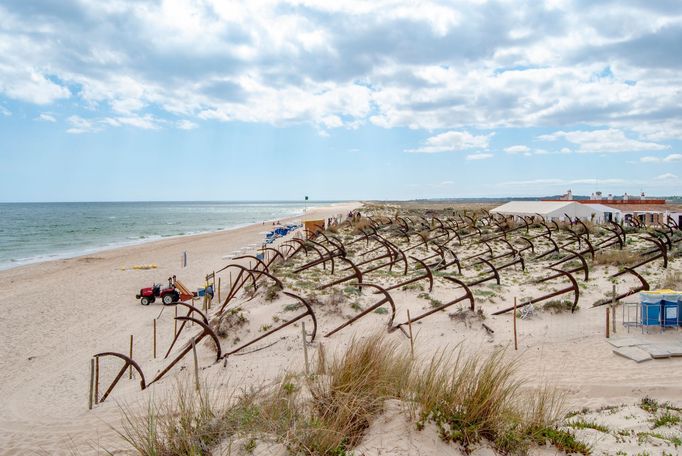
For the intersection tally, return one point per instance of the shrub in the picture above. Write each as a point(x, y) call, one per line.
point(228, 322)
point(666, 419)
point(558, 306)
point(272, 292)
point(621, 258)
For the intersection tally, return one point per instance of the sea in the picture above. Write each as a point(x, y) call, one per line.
point(35, 232)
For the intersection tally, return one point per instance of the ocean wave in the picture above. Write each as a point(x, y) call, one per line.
point(55, 231)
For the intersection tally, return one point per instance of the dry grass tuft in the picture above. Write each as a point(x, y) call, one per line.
point(621, 258)
point(557, 306)
point(185, 422)
point(360, 225)
point(351, 393)
point(470, 398)
point(671, 281)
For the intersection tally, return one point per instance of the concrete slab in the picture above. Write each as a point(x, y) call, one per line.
point(675, 348)
point(636, 354)
point(625, 341)
point(656, 351)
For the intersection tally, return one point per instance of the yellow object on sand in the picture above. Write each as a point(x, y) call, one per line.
point(665, 291)
point(140, 266)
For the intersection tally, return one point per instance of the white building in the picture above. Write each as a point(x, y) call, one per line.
point(605, 214)
point(550, 210)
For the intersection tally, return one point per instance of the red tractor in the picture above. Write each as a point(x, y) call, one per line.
point(148, 295)
point(174, 292)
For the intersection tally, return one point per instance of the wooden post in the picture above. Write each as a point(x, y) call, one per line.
point(516, 342)
point(305, 349)
point(608, 313)
point(175, 323)
point(155, 338)
point(409, 325)
point(97, 380)
point(130, 369)
point(219, 290)
point(92, 382)
point(614, 304)
point(196, 365)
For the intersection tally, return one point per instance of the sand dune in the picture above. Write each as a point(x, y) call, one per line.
point(56, 315)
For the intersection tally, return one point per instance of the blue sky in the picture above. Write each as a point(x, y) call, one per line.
point(209, 99)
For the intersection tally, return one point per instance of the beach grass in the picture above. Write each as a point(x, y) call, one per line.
point(471, 399)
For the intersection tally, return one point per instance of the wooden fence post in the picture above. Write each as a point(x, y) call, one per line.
point(130, 369)
point(175, 322)
point(613, 309)
point(154, 335)
point(196, 365)
point(409, 325)
point(97, 380)
point(516, 343)
point(305, 349)
point(608, 313)
point(92, 382)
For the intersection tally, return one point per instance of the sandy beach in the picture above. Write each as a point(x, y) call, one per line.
point(56, 315)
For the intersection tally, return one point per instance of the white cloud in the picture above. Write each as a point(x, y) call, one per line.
point(30, 86)
point(186, 124)
point(547, 186)
point(146, 122)
point(667, 159)
point(4, 111)
point(519, 149)
point(46, 117)
point(602, 141)
point(666, 177)
point(650, 159)
point(563, 182)
point(81, 125)
point(453, 141)
point(481, 156)
point(344, 64)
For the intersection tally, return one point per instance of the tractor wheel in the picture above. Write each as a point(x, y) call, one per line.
point(144, 301)
point(167, 299)
point(176, 296)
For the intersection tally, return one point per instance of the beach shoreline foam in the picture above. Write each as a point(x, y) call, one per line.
point(141, 240)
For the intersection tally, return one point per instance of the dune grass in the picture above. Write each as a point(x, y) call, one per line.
point(620, 258)
point(184, 422)
point(470, 399)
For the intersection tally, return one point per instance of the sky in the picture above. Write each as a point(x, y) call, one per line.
point(272, 100)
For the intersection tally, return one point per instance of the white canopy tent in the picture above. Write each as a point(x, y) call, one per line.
point(550, 210)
